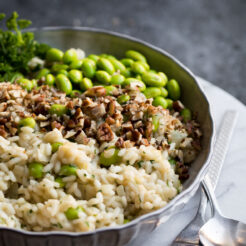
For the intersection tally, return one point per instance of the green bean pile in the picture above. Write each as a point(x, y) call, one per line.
point(72, 75)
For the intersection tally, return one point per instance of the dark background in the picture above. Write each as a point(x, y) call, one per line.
point(207, 36)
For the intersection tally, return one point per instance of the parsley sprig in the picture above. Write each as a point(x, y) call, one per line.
point(17, 47)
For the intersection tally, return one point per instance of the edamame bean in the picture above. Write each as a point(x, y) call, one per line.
point(135, 55)
point(110, 89)
point(103, 76)
point(152, 92)
point(63, 83)
point(164, 77)
point(55, 146)
point(164, 92)
point(160, 101)
point(76, 64)
point(36, 170)
point(186, 114)
point(93, 57)
point(70, 56)
point(113, 159)
point(152, 71)
point(75, 76)
point(58, 67)
point(132, 82)
point(107, 56)
point(58, 109)
point(145, 64)
point(60, 182)
point(72, 213)
point(29, 121)
point(42, 73)
point(88, 68)
point(153, 79)
point(105, 64)
point(127, 73)
point(34, 83)
point(117, 79)
point(173, 89)
point(53, 55)
point(169, 103)
point(75, 93)
point(127, 62)
point(172, 162)
point(155, 122)
point(49, 79)
point(118, 66)
point(25, 83)
point(123, 98)
point(85, 84)
point(67, 170)
point(126, 221)
point(139, 77)
point(138, 67)
point(63, 71)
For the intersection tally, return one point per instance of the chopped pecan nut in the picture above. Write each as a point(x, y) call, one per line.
point(129, 135)
point(70, 105)
point(40, 109)
point(13, 130)
point(127, 126)
point(71, 124)
point(3, 121)
point(138, 124)
point(78, 113)
point(181, 170)
point(22, 114)
point(141, 130)
point(111, 108)
point(98, 111)
point(39, 99)
point(97, 91)
point(87, 102)
point(198, 133)
point(87, 122)
point(120, 143)
point(55, 124)
point(148, 130)
point(136, 135)
point(144, 141)
point(196, 144)
point(178, 106)
point(104, 133)
point(3, 106)
point(3, 133)
point(137, 116)
point(110, 120)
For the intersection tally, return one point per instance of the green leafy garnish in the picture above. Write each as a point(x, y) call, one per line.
point(17, 48)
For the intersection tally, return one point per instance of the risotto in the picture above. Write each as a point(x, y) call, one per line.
point(89, 162)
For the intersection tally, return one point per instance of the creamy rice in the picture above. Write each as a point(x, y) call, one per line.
point(108, 196)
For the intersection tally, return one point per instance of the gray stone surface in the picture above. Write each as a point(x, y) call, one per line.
point(207, 36)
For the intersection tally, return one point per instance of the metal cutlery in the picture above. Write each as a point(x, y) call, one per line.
point(190, 235)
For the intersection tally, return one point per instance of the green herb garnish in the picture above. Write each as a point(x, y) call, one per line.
point(17, 48)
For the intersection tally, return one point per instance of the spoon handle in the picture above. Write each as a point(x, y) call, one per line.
point(189, 236)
